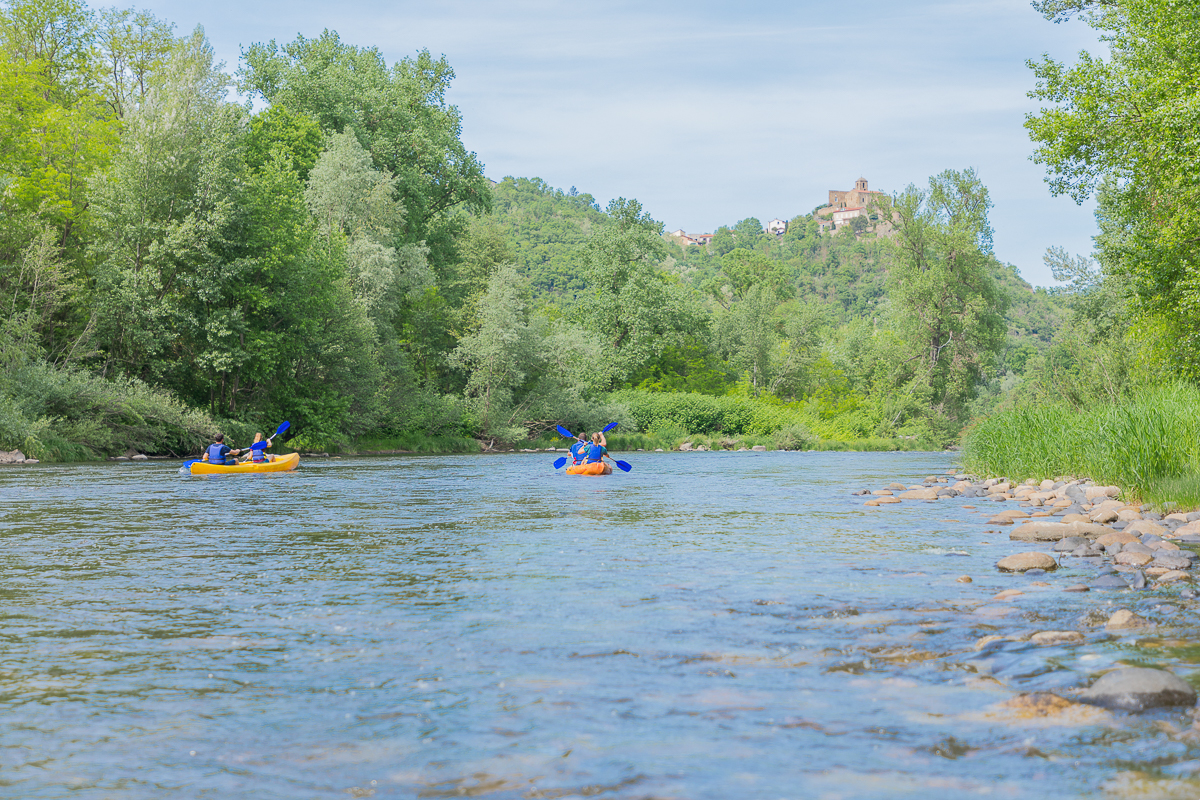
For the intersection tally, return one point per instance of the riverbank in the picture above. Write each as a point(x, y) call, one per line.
point(1078, 525)
point(1148, 445)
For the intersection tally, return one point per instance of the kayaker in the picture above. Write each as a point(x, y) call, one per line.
point(578, 450)
point(218, 450)
point(259, 454)
point(598, 450)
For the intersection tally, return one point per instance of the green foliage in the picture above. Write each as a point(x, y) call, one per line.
point(66, 415)
point(1122, 128)
point(1136, 444)
point(950, 308)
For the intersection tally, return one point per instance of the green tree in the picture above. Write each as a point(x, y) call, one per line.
point(1123, 128)
point(634, 306)
point(133, 46)
point(949, 308)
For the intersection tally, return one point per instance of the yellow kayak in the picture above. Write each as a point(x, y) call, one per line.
point(280, 464)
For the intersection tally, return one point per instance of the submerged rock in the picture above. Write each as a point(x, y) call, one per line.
point(1056, 637)
point(1139, 688)
point(1124, 619)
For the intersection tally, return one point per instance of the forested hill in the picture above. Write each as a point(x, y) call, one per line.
point(545, 227)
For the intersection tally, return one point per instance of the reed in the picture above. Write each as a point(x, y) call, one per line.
point(1149, 445)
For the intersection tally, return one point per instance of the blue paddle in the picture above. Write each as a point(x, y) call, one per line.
point(256, 446)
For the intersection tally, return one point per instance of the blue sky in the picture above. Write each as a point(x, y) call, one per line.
point(709, 112)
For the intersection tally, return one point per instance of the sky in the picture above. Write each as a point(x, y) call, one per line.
point(709, 111)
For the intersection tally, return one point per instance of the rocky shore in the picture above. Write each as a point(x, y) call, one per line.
point(1076, 524)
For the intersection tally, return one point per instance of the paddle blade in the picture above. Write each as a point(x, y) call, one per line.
point(558, 462)
point(624, 466)
point(282, 428)
point(564, 432)
point(609, 427)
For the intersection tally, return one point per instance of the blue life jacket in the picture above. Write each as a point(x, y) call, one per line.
point(216, 453)
point(577, 451)
point(259, 454)
point(596, 452)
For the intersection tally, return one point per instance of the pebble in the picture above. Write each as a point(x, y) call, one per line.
point(1076, 587)
point(1109, 582)
point(964, 579)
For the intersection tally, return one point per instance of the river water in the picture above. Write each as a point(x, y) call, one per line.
point(710, 625)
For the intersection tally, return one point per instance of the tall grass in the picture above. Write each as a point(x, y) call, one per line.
point(1144, 445)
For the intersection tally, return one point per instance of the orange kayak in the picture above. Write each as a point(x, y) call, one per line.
point(599, 468)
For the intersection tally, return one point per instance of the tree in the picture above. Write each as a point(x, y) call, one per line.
point(950, 310)
point(134, 46)
point(746, 233)
point(399, 113)
point(722, 241)
point(1123, 129)
point(634, 306)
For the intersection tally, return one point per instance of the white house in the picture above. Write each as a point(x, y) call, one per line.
point(777, 227)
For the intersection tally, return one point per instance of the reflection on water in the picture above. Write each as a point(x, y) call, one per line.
point(707, 626)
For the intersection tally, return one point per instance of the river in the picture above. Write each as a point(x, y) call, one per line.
point(709, 625)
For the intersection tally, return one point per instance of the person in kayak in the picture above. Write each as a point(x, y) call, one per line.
point(218, 450)
point(597, 451)
point(578, 450)
point(259, 455)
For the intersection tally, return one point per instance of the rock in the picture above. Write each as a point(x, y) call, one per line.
point(964, 579)
point(1109, 582)
point(32, 461)
point(1046, 485)
point(1171, 560)
point(1094, 492)
point(658, 449)
point(1022, 562)
point(1056, 637)
point(759, 448)
point(999, 488)
point(896, 487)
point(703, 449)
point(12, 457)
point(1136, 547)
point(1039, 531)
point(1124, 619)
point(882, 501)
point(1117, 537)
point(140, 457)
point(1171, 576)
point(1133, 559)
point(919, 494)
point(1000, 519)
point(1069, 543)
point(1139, 580)
point(858, 493)
point(1008, 593)
point(1076, 587)
point(686, 446)
point(1139, 688)
point(1142, 526)
point(1128, 515)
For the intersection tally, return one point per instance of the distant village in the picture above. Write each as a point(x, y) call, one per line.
point(843, 207)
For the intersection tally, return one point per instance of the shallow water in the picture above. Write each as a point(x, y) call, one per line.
point(711, 625)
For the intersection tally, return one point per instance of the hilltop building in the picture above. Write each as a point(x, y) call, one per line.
point(778, 227)
point(691, 239)
point(858, 197)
